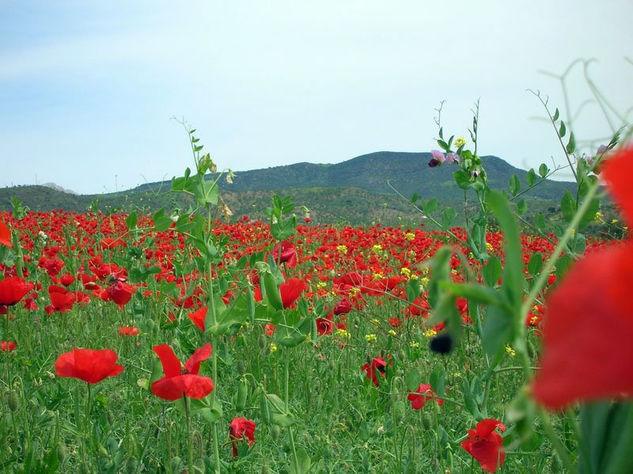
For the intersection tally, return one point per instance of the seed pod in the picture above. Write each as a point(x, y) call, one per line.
point(398, 410)
point(272, 291)
point(12, 400)
point(242, 395)
point(62, 453)
point(426, 421)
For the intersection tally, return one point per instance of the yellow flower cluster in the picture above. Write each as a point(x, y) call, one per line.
point(409, 236)
point(370, 337)
point(342, 249)
point(430, 333)
point(461, 141)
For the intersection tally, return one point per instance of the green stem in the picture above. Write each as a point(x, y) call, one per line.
point(214, 356)
point(295, 461)
point(562, 452)
point(189, 443)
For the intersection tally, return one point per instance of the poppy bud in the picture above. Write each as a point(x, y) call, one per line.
point(12, 400)
point(242, 394)
point(62, 453)
point(398, 410)
point(275, 432)
point(426, 421)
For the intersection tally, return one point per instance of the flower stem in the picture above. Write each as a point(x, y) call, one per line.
point(189, 443)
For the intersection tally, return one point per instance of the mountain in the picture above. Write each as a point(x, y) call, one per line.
point(355, 191)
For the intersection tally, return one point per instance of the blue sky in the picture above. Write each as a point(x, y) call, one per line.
point(88, 87)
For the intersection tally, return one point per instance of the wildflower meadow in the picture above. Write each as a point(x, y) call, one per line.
point(190, 341)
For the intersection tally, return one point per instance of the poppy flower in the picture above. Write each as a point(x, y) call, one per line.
point(290, 291)
point(89, 365)
point(588, 324)
point(423, 394)
point(343, 306)
point(62, 300)
point(198, 317)
point(8, 346)
point(241, 428)
point(67, 279)
point(182, 381)
point(486, 445)
point(377, 365)
point(285, 252)
point(12, 290)
point(5, 235)
point(128, 331)
point(120, 293)
point(324, 326)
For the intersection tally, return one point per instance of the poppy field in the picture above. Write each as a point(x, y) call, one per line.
point(177, 342)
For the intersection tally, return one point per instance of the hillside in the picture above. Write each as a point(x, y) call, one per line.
point(354, 191)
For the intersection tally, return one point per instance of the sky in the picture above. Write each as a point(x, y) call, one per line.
point(89, 89)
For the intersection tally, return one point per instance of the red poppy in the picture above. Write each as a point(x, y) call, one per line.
point(128, 331)
point(89, 365)
point(285, 252)
point(8, 346)
point(241, 428)
point(179, 381)
point(343, 306)
point(120, 293)
point(12, 290)
point(377, 365)
point(290, 291)
point(588, 323)
point(67, 279)
point(324, 326)
point(423, 394)
point(5, 235)
point(62, 300)
point(198, 317)
point(486, 445)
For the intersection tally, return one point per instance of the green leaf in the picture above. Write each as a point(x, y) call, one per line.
point(412, 379)
point(430, 206)
point(562, 130)
point(543, 170)
point(161, 221)
point(530, 178)
point(283, 419)
point(568, 206)
point(478, 293)
point(515, 185)
point(462, 178)
point(414, 198)
point(556, 115)
point(438, 380)
point(513, 273)
point(441, 272)
point(521, 207)
point(607, 436)
point(497, 330)
point(303, 461)
point(571, 144)
point(492, 271)
point(589, 214)
point(448, 217)
point(131, 221)
point(535, 265)
point(413, 290)
point(562, 265)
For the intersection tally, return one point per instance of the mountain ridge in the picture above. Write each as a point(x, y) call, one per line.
point(360, 183)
